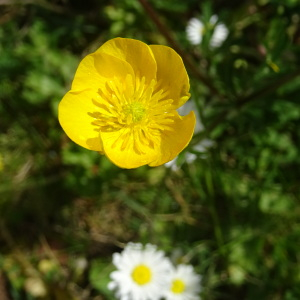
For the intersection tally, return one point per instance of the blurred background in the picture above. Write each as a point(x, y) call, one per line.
point(229, 204)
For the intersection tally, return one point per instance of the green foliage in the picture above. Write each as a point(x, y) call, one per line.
point(233, 212)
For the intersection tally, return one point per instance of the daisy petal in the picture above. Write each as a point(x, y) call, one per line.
point(194, 31)
point(219, 36)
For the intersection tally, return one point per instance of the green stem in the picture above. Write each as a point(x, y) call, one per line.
point(213, 210)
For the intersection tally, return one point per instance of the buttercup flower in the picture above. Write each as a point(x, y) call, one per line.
point(196, 29)
point(142, 273)
point(185, 284)
point(123, 103)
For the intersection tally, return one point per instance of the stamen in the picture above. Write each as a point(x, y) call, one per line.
point(178, 286)
point(138, 110)
point(141, 274)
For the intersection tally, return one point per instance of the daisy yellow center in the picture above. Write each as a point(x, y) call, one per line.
point(178, 286)
point(136, 109)
point(141, 274)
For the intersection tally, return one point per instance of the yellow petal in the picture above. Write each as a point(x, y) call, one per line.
point(127, 158)
point(134, 52)
point(173, 142)
point(77, 105)
point(74, 116)
point(86, 76)
point(109, 66)
point(94, 70)
point(171, 74)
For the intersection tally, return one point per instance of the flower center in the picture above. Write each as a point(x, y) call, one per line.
point(134, 112)
point(137, 109)
point(178, 286)
point(141, 274)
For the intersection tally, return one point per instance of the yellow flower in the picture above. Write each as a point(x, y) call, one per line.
point(123, 104)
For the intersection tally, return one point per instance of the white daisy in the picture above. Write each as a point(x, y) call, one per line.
point(142, 273)
point(213, 20)
point(219, 36)
point(196, 29)
point(185, 284)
